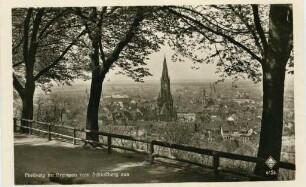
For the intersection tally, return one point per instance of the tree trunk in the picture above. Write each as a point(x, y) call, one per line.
point(272, 115)
point(274, 69)
point(93, 105)
point(27, 107)
point(95, 89)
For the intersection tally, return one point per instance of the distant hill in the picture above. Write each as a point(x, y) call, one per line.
point(79, 86)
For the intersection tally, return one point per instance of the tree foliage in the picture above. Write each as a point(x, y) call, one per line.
point(111, 26)
point(232, 36)
point(43, 38)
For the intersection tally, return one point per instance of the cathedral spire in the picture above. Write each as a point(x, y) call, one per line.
point(165, 100)
point(165, 69)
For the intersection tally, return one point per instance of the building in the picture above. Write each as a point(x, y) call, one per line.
point(231, 132)
point(186, 116)
point(165, 107)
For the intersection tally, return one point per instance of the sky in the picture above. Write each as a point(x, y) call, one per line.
point(177, 70)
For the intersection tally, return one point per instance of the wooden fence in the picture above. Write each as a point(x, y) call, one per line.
point(216, 155)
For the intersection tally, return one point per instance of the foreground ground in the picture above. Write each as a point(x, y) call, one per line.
point(36, 157)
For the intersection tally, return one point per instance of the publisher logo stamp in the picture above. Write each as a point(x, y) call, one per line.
point(270, 162)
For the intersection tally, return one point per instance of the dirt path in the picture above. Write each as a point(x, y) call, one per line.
point(36, 157)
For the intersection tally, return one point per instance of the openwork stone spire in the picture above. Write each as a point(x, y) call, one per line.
point(165, 100)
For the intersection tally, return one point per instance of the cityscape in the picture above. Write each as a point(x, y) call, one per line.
point(225, 116)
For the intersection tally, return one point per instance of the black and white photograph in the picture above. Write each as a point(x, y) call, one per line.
point(143, 94)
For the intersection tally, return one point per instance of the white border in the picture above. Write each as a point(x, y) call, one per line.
point(7, 87)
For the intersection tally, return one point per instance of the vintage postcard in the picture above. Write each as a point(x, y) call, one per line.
point(147, 93)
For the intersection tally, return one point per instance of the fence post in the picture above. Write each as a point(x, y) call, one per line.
point(74, 136)
point(49, 132)
point(216, 161)
point(109, 144)
point(30, 127)
point(15, 125)
point(151, 152)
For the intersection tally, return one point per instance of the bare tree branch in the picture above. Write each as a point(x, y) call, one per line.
point(227, 37)
point(17, 85)
point(84, 19)
point(51, 22)
point(259, 27)
point(113, 9)
point(18, 63)
point(26, 28)
point(54, 63)
point(128, 37)
point(200, 31)
point(36, 24)
point(256, 39)
point(217, 24)
point(14, 50)
point(102, 54)
point(78, 12)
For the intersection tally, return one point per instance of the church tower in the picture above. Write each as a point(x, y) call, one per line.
point(165, 100)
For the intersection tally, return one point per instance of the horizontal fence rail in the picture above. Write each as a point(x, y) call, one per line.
point(216, 155)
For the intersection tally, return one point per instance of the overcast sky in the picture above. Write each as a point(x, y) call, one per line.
point(177, 70)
